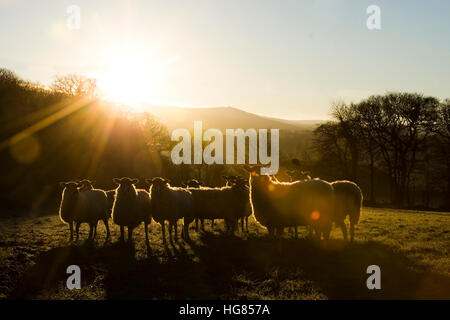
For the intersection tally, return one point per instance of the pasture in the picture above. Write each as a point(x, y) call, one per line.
point(411, 248)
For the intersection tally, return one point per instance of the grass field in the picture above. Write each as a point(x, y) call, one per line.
point(411, 248)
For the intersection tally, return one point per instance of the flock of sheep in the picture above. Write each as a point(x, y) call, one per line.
point(275, 205)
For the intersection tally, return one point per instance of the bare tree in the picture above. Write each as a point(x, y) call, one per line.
point(399, 125)
point(75, 85)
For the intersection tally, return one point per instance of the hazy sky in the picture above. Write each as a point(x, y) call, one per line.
point(282, 58)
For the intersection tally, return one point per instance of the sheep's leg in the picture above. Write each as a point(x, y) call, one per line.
point(170, 231)
point(95, 230)
point(122, 233)
point(196, 224)
point(77, 230)
point(242, 225)
point(212, 223)
point(234, 225)
point(108, 233)
point(91, 232)
point(344, 229)
point(352, 231)
point(317, 233)
point(279, 231)
point(176, 230)
point(71, 230)
point(271, 231)
point(182, 228)
point(310, 231)
point(246, 224)
point(326, 235)
point(296, 232)
point(185, 232)
point(130, 234)
point(163, 231)
point(202, 221)
point(229, 224)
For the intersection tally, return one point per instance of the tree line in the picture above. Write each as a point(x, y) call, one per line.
point(400, 139)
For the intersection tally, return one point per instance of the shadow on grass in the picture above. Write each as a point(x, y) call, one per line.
point(339, 271)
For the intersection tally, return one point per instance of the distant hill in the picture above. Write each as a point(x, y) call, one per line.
point(225, 118)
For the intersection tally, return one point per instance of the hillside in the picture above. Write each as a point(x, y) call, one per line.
point(225, 118)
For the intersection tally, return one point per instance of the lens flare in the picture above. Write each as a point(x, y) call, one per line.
point(315, 215)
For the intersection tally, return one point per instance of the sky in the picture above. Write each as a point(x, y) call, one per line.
point(287, 59)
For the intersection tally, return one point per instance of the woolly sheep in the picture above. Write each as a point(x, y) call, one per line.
point(170, 203)
point(131, 207)
point(193, 183)
point(78, 207)
point(226, 203)
point(85, 185)
point(348, 202)
point(244, 187)
point(277, 205)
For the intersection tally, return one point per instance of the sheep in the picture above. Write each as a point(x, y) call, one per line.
point(170, 203)
point(348, 201)
point(193, 183)
point(85, 185)
point(226, 203)
point(82, 206)
point(244, 187)
point(131, 207)
point(277, 205)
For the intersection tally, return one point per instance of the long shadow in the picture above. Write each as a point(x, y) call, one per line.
point(339, 270)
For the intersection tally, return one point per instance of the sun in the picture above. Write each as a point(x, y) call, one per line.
point(129, 77)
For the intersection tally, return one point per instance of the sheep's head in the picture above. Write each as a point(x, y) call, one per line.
point(238, 182)
point(85, 184)
point(126, 184)
point(229, 179)
point(193, 183)
point(158, 183)
point(70, 187)
point(235, 180)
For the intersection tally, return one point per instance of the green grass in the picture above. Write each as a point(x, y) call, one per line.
point(411, 248)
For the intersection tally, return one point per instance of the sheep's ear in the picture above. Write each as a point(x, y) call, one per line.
point(63, 184)
point(167, 181)
point(149, 181)
point(116, 180)
point(134, 181)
